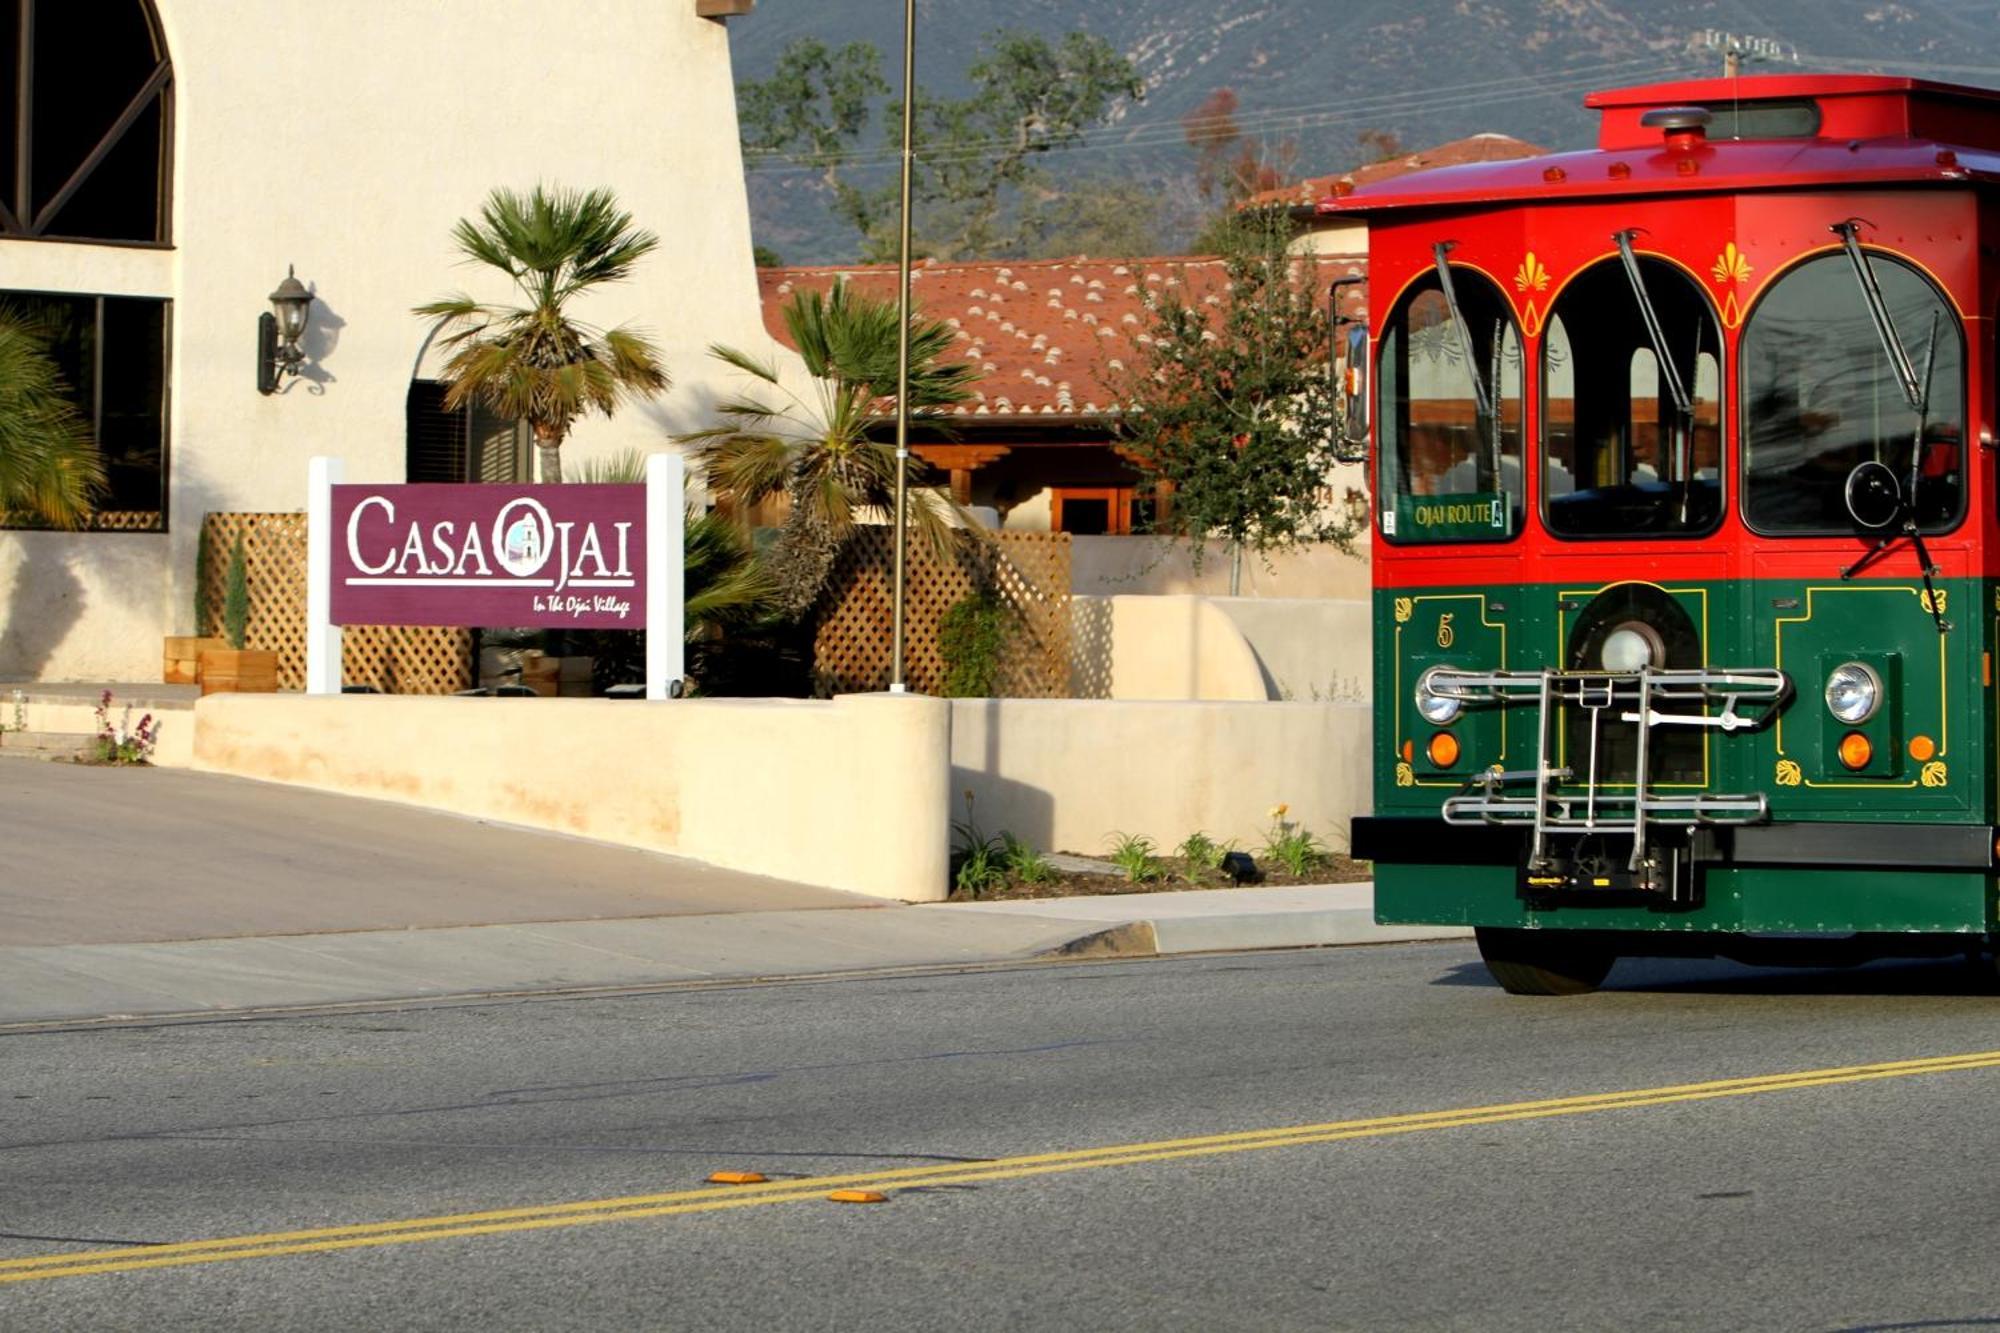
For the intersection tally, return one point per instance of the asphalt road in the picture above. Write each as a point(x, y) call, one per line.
point(1853, 1199)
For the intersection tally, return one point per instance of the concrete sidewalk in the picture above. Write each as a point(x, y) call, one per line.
point(84, 981)
point(149, 892)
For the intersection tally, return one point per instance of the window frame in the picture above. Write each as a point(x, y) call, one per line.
point(1966, 446)
point(1723, 401)
point(1384, 415)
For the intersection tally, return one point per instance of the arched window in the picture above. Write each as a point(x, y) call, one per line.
point(86, 120)
point(1450, 414)
point(1822, 396)
point(1631, 445)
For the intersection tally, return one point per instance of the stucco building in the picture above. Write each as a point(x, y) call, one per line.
point(163, 163)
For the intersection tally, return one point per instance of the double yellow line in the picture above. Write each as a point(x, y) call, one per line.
point(590, 1212)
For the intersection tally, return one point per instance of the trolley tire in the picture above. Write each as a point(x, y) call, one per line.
point(1542, 962)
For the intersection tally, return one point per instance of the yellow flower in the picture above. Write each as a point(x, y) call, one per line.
point(1279, 811)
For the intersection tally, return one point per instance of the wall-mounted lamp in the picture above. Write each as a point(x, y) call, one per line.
point(278, 333)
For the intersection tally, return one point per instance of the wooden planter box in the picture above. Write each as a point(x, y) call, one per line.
point(238, 671)
point(180, 662)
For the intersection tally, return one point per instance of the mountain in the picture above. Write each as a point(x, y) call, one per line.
point(1320, 72)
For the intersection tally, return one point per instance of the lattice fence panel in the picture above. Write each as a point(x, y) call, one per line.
point(1029, 571)
point(396, 659)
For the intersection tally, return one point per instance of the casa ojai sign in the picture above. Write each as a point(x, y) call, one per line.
point(548, 556)
point(565, 557)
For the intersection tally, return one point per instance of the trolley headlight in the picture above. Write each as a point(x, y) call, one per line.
point(1853, 692)
point(1437, 709)
point(1631, 646)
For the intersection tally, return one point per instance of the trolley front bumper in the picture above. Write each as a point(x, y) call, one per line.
point(1405, 840)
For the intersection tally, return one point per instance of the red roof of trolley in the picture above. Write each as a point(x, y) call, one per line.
point(1872, 130)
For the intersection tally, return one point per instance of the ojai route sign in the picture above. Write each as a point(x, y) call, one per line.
point(567, 556)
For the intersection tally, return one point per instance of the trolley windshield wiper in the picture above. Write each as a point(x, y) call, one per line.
point(1669, 371)
point(1916, 392)
point(1482, 396)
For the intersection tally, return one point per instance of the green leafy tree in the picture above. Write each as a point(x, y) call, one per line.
point(50, 469)
point(535, 361)
point(1232, 403)
point(813, 110)
point(818, 452)
point(976, 176)
point(1111, 219)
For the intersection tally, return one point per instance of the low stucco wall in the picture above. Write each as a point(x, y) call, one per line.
point(1159, 648)
point(1309, 648)
point(1065, 774)
point(1111, 566)
point(850, 794)
point(173, 728)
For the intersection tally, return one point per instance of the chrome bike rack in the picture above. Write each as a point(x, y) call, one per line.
point(1494, 797)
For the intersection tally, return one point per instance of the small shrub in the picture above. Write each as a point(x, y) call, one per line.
point(123, 743)
point(1024, 864)
point(236, 598)
point(971, 637)
point(978, 863)
point(1201, 857)
point(1133, 854)
point(1292, 845)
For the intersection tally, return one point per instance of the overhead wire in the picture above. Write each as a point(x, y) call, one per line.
point(1318, 115)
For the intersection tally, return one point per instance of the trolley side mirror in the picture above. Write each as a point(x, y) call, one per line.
point(1350, 347)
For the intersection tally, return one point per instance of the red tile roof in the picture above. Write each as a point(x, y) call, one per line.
point(1478, 148)
point(1044, 333)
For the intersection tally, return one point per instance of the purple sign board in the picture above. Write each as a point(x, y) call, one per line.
point(552, 556)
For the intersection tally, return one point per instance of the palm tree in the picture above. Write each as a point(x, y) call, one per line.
point(818, 454)
point(532, 361)
point(49, 465)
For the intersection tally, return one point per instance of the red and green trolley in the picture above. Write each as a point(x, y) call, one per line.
point(1687, 532)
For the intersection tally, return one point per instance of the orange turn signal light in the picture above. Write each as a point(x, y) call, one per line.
point(1855, 751)
point(1443, 749)
point(1922, 749)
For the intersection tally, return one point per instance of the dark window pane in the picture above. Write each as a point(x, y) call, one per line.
point(132, 431)
point(1764, 120)
point(90, 61)
point(116, 374)
point(1821, 397)
point(498, 447)
point(1619, 457)
point(68, 327)
point(433, 439)
point(120, 201)
point(1086, 518)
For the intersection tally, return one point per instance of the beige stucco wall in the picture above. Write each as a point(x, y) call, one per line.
point(1109, 566)
point(850, 794)
point(1159, 648)
point(1314, 649)
point(347, 143)
point(1041, 769)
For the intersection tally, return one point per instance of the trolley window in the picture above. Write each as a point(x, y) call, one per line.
point(1450, 419)
point(1824, 393)
point(1631, 405)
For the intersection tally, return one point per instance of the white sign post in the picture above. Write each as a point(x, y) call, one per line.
point(322, 635)
point(666, 574)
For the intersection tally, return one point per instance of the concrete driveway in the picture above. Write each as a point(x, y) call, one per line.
point(115, 856)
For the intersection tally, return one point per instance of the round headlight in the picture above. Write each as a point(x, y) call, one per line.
point(1853, 692)
point(1437, 709)
point(1628, 648)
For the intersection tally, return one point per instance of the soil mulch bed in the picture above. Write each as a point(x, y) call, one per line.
point(1334, 869)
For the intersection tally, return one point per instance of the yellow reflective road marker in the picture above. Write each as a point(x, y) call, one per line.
point(736, 1177)
point(857, 1196)
point(628, 1208)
